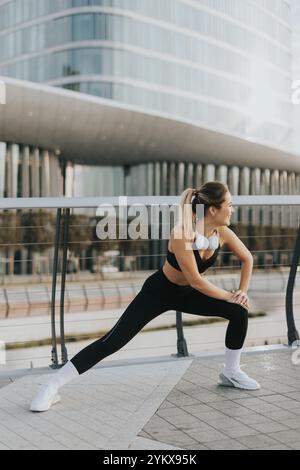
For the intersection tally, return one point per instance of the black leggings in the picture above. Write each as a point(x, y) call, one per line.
point(158, 295)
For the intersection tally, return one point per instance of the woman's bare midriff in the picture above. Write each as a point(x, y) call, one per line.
point(174, 275)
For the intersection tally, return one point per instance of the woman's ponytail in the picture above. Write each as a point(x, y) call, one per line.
point(186, 213)
point(209, 194)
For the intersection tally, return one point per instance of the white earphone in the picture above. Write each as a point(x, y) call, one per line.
point(203, 243)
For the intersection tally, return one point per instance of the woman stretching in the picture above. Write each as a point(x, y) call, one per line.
point(179, 285)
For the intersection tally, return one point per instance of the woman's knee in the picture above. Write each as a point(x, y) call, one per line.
point(240, 314)
point(238, 327)
point(244, 311)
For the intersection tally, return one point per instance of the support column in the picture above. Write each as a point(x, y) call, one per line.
point(142, 179)
point(2, 168)
point(14, 165)
point(55, 176)
point(133, 180)
point(127, 180)
point(291, 191)
point(150, 179)
point(222, 173)
point(209, 173)
point(3, 192)
point(265, 188)
point(25, 172)
point(164, 179)
point(12, 182)
point(199, 176)
point(245, 191)
point(172, 176)
point(45, 174)
point(157, 176)
point(233, 184)
point(69, 184)
point(25, 154)
point(189, 183)
point(255, 191)
point(283, 189)
point(35, 173)
point(180, 178)
point(275, 215)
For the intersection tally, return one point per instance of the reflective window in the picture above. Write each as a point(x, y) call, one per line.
point(150, 72)
point(17, 11)
point(83, 27)
point(128, 31)
point(205, 70)
point(175, 12)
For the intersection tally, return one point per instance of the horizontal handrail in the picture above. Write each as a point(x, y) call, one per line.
point(90, 202)
point(63, 206)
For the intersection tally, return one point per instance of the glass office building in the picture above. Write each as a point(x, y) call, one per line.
point(295, 4)
point(221, 65)
point(224, 64)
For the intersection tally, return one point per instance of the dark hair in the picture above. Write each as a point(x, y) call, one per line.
point(210, 194)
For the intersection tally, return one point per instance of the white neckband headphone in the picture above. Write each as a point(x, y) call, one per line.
point(203, 243)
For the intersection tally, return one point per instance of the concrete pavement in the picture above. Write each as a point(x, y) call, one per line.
point(159, 403)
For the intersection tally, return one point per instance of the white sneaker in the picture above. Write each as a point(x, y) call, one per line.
point(238, 379)
point(45, 398)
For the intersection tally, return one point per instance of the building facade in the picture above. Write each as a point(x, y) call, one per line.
point(223, 66)
point(296, 71)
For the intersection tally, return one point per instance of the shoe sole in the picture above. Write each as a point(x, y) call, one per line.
point(225, 382)
point(55, 400)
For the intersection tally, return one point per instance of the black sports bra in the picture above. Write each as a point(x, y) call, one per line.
point(201, 264)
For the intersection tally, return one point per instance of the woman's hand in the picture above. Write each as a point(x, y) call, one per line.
point(239, 297)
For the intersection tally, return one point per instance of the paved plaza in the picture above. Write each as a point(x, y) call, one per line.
point(159, 403)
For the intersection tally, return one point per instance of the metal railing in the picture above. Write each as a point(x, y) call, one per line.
point(63, 205)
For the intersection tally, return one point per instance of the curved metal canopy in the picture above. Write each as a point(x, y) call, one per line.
point(90, 130)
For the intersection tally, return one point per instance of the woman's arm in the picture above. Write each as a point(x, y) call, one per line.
point(246, 272)
point(237, 246)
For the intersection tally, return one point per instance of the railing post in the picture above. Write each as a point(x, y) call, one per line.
point(182, 350)
point(6, 302)
point(103, 296)
point(293, 334)
point(64, 353)
point(119, 296)
point(28, 299)
point(85, 296)
point(54, 357)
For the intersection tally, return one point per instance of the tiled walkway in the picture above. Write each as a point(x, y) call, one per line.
point(198, 414)
point(166, 403)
